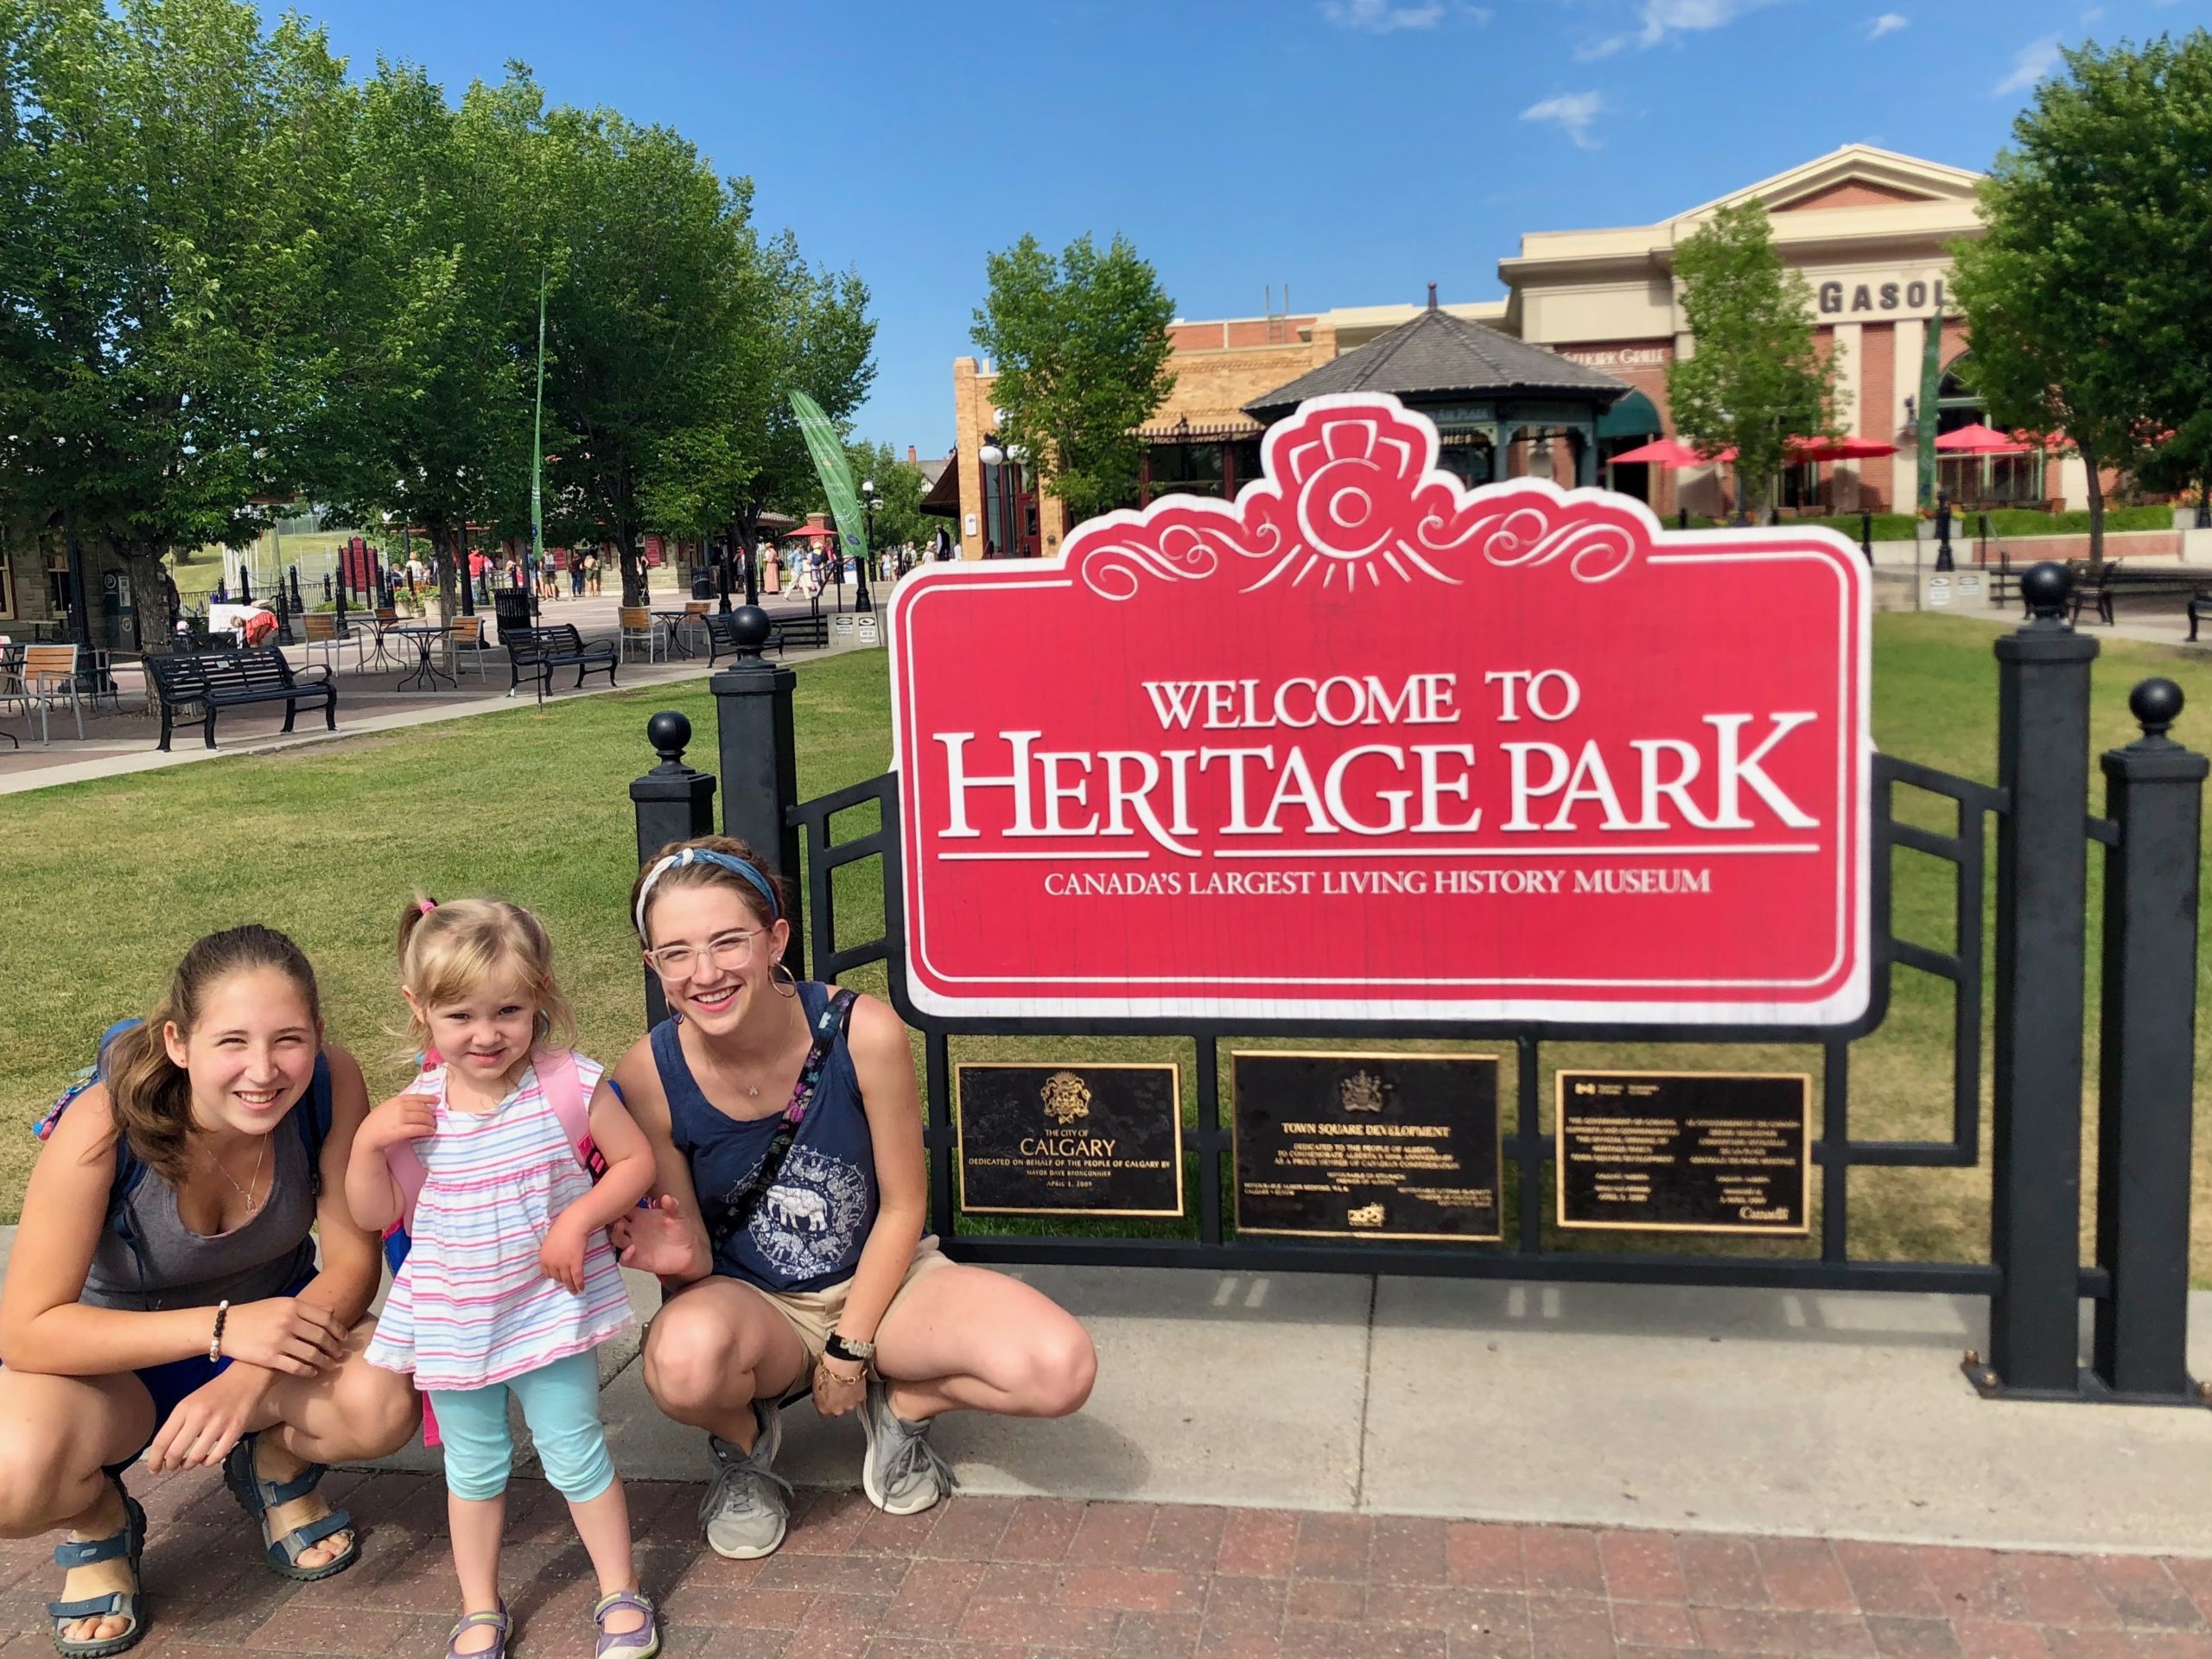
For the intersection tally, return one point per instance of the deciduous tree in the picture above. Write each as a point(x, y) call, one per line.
point(1080, 347)
point(1755, 378)
point(2089, 297)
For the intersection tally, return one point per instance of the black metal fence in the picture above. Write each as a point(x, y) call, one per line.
point(2035, 1279)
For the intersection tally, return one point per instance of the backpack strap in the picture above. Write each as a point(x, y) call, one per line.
point(564, 1092)
point(314, 1116)
point(827, 1028)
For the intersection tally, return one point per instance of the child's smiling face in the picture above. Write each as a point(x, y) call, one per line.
point(485, 1035)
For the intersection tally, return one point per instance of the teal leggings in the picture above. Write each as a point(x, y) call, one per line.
point(560, 1401)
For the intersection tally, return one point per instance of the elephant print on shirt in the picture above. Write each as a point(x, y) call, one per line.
point(810, 1220)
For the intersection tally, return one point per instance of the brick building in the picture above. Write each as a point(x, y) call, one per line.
point(1868, 228)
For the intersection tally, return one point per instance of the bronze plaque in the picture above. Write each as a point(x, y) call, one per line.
point(1367, 1145)
point(1685, 1152)
point(1049, 1139)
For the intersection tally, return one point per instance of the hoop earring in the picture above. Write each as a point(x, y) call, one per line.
point(790, 979)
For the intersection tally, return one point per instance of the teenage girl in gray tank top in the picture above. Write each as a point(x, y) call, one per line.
point(163, 1296)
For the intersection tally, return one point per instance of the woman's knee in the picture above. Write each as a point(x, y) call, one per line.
point(1062, 1367)
point(378, 1412)
point(693, 1359)
point(36, 1486)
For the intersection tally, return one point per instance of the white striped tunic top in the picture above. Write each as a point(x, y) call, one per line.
point(471, 1306)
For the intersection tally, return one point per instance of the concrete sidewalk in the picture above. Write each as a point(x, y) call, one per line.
point(1731, 1411)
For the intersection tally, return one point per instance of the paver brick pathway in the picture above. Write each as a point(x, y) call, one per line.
point(1002, 1578)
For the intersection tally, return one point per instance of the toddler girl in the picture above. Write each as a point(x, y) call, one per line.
point(509, 1283)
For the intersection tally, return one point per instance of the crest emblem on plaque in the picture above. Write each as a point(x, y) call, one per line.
point(1363, 1092)
point(1067, 1098)
point(1367, 1215)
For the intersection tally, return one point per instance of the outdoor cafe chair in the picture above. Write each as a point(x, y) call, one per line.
point(49, 677)
point(637, 629)
point(323, 636)
point(467, 633)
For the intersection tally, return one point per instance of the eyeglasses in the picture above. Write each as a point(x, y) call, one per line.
point(732, 950)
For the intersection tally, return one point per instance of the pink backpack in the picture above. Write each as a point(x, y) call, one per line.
point(564, 1092)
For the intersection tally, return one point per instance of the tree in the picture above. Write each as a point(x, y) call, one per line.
point(439, 313)
point(1082, 350)
point(2089, 298)
point(651, 334)
point(818, 338)
point(170, 349)
point(899, 487)
point(1756, 378)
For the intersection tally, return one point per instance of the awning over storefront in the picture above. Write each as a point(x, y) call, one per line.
point(1202, 426)
point(1632, 417)
point(942, 499)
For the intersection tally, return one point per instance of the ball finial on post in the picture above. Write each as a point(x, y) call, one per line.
point(2046, 588)
point(669, 732)
point(2156, 704)
point(750, 624)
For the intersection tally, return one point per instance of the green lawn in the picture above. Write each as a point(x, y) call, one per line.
point(101, 886)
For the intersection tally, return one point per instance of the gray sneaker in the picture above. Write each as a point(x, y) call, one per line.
point(903, 1474)
point(749, 1506)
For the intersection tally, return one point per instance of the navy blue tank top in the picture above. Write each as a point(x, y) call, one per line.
point(807, 1230)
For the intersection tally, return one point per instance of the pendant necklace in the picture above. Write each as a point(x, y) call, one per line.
point(252, 1203)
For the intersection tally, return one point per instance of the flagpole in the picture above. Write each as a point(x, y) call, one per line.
point(537, 440)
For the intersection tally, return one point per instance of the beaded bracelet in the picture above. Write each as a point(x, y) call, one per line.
point(215, 1342)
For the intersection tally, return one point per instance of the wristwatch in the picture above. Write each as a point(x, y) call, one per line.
point(857, 1353)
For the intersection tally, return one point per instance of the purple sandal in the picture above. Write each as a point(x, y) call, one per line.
point(497, 1621)
point(641, 1643)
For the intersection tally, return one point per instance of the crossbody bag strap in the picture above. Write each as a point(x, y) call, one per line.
point(831, 1022)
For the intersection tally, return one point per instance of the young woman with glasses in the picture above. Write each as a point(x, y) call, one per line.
point(787, 1129)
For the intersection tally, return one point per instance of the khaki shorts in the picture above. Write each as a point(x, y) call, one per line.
point(814, 1314)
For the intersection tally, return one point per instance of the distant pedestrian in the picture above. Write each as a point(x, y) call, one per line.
point(591, 573)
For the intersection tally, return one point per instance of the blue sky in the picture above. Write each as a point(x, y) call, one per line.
point(1352, 149)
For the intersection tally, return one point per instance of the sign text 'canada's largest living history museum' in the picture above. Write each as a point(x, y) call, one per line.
point(1367, 744)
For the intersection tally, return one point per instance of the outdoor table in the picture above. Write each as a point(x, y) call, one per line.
point(673, 622)
point(11, 682)
point(426, 671)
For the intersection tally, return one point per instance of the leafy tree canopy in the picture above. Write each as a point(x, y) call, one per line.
point(1756, 378)
point(1080, 344)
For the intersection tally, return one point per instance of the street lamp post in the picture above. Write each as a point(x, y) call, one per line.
point(870, 501)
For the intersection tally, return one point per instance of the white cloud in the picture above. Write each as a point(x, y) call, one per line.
point(1572, 112)
point(1381, 17)
point(1659, 19)
point(2034, 61)
point(1888, 23)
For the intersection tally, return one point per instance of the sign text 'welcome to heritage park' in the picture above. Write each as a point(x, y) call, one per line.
point(1367, 744)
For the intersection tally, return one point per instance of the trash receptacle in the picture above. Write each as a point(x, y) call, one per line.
point(511, 607)
point(703, 585)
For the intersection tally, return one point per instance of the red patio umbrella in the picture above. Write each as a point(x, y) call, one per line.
point(1839, 448)
point(1979, 439)
point(1664, 451)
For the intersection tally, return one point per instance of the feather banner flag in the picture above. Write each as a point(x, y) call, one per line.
point(827, 449)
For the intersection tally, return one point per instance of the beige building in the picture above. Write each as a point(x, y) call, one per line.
point(1869, 228)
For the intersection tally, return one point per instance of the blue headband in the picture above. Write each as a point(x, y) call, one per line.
point(721, 861)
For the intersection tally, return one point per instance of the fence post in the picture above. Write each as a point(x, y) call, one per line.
point(2043, 765)
point(760, 761)
point(2147, 1054)
point(1866, 535)
point(672, 802)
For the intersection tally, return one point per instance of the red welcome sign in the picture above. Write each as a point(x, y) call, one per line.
point(1365, 743)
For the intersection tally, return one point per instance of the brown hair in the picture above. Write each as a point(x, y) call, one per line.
point(148, 1093)
point(447, 951)
point(703, 874)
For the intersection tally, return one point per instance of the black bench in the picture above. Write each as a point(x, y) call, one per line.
point(809, 631)
point(543, 649)
point(805, 632)
point(229, 679)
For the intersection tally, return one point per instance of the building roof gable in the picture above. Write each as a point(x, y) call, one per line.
point(1853, 175)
